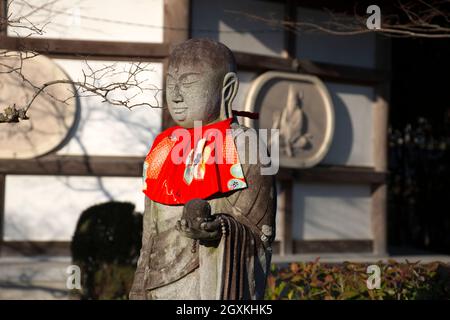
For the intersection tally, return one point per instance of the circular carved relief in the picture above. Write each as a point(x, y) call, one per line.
point(300, 107)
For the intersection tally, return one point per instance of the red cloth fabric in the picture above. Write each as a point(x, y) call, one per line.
point(184, 164)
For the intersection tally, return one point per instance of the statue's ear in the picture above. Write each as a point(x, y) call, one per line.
point(229, 91)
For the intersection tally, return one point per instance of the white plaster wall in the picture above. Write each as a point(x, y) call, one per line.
point(53, 204)
point(245, 81)
point(110, 130)
point(108, 20)
point(352, 50)
point(331, 212)
point(352, 142)
point(47, 208)
point(214, 19)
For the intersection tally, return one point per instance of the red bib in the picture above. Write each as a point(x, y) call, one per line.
point(184, 164)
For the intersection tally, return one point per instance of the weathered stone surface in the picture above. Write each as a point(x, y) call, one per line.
point(201, 85)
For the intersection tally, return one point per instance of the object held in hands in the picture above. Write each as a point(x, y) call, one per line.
point(197, 211)
point(197, 222)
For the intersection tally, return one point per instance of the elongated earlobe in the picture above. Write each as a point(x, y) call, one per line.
point(229, 91)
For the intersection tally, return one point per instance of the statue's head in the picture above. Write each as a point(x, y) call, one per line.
point(201, 82)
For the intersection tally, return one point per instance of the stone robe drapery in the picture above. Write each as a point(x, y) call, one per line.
point(237, 267)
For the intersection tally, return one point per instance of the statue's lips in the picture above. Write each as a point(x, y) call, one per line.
point(179, 110)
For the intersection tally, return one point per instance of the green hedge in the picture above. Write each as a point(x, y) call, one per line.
point(345, 281)
point(106, 246)
point(107, 241)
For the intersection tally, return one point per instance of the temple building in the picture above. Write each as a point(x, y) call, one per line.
point(336, 205)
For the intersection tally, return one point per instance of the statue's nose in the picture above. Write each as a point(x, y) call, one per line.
point(177, 97)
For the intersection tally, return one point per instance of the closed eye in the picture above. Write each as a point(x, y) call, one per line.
point(187, 84)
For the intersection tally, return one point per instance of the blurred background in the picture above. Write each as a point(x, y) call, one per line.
point(70, 175)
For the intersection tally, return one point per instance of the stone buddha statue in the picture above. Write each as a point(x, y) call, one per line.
point(208, 227)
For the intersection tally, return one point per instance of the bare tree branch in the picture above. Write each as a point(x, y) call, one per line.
point(420, 19)
point(101, 82)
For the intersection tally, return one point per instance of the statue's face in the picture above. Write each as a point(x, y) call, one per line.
point(193, 93)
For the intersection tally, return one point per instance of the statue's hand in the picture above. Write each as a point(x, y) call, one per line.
point(206, 230)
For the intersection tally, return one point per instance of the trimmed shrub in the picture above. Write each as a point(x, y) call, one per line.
point(346, 281)
point(106, 247)
point(107, 242)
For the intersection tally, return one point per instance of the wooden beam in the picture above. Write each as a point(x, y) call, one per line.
point(2, 206)
point(257, 62)
point(176, 29)
point(3, 18)
point(379, 219)
point(379, 192)
point(132, 167)
point(34, 248)
point(290, 37)
point(333, 174)
point(285, 209)
point(325, 71)
point(346, 7)
point(380, 148)
point(176, 21)
point(333, 246)
point(113, 58)
point(62, 248)
point(346, 74)
point(84, 48)
point(75, 166)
